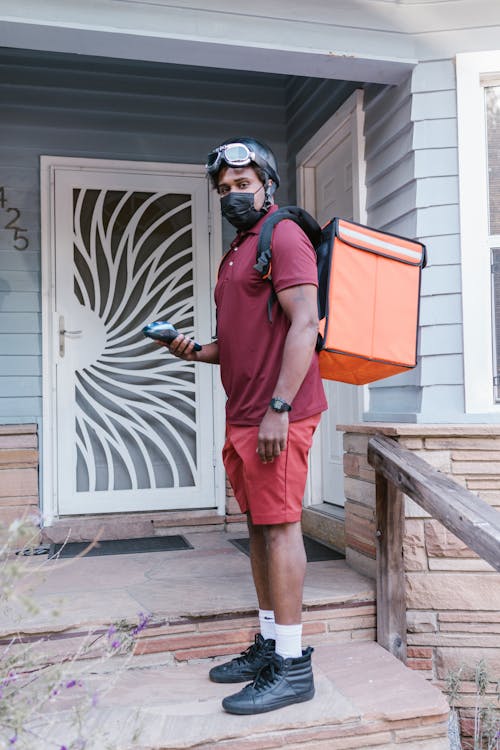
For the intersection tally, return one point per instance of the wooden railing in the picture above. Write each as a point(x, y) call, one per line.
point(471, 519)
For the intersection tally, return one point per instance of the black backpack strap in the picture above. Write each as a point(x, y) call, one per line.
point(264, 248)
point(305, 221)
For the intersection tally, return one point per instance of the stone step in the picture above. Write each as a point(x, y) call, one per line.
point(201, 637)
point(201, 601)
point(189, 637)
point(365, 698)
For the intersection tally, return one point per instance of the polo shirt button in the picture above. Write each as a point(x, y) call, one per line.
point(230, 262)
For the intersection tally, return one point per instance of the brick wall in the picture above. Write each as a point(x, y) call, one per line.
point(452, 596)
point(18, 472)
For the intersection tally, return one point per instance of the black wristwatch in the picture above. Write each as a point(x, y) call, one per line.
point(279, 405)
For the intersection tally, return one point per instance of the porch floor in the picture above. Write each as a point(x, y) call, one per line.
point(209, 580)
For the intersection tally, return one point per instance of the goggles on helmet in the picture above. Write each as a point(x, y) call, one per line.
point(234, 154)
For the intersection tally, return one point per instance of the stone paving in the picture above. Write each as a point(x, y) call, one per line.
point(212, 578)
point(364, 699)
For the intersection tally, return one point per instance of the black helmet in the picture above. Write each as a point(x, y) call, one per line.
point(239, 152)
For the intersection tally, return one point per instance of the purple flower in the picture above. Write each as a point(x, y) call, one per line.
point(111, 630)
point(143, 621)
point(71, 684)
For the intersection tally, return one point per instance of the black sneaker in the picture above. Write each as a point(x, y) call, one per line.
point(246, 666)
point(279, 683)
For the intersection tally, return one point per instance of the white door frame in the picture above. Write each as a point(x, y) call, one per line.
point(351, 111)
point(48, 167)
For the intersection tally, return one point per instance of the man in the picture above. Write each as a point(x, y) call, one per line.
point(270, 373)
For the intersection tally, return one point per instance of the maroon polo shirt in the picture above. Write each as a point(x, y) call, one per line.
point(250, 346)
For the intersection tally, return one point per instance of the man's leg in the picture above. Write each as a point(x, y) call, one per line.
point(286, 566)
point(288, 677)
point(245, 667)
point(258, 561)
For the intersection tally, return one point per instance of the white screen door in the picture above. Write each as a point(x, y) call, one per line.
point(330, 180)
point(133, 426)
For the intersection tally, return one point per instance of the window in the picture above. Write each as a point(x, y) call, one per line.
point(492, 114)
point(478, 118)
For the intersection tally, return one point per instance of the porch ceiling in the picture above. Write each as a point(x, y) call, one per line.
point(286, 40)
point(339, 66)
point(376, 41)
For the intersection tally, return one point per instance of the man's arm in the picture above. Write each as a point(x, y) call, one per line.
point(183, 347)
point(300, 306)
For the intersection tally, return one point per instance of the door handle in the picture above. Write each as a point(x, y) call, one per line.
point(64, 332)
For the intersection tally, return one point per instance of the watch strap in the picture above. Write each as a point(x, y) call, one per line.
point(279, 405)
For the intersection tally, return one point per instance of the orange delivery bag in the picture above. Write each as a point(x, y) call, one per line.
point(371, 295)
point(368, 296)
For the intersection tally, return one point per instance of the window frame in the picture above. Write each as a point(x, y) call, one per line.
point(475, 71)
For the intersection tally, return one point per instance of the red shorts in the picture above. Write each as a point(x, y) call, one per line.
point(271, 493)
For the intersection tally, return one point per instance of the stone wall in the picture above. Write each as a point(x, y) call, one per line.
point(452, 596)
point(18, 472)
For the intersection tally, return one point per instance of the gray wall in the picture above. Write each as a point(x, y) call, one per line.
point(412, 190)
point(72, 105)
point(93, 107)
point(412, 186)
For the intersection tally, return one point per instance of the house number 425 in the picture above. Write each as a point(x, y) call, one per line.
point(19, 238)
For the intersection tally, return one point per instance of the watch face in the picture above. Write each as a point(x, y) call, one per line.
point(277, 404)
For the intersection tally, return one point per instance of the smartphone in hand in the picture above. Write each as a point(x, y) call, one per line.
point(162, 330)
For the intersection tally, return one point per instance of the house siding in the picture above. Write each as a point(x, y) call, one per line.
point(412, 190)
point(102, 109)
point(62, 105)
point(438, 225)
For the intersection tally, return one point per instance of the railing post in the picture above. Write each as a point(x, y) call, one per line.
point(391, 599)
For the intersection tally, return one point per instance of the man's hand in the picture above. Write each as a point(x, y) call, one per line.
point(273, 434)
point(182, 347)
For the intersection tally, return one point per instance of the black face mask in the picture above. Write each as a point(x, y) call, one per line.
point(240, 211)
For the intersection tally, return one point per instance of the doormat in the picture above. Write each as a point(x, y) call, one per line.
point(315, 551)
point(122, 546)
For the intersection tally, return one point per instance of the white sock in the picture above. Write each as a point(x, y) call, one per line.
point(266, 620)
point(289, 640)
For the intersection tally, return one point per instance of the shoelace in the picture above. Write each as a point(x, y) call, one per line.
point(265, 677)
point(247, 654)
